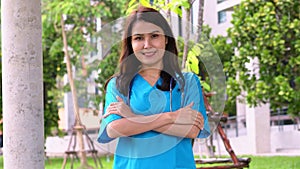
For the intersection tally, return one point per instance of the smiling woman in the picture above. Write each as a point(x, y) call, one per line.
point(148, 44)
point(151, 106)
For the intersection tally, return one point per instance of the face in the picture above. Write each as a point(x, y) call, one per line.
point(148, 44)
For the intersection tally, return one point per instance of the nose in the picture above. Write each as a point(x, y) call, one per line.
point(147, 43)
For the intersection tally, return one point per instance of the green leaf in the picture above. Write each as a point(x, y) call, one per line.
point(192, 62)
point(206, 86)
point(145, 3)
point(186, 4)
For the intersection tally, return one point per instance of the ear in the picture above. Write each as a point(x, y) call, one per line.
point(166, 40)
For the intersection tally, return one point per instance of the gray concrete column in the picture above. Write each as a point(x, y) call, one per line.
point(22, 79)
point(240, 114)
point(258, 128)
point(258, 118)
point(69, 120)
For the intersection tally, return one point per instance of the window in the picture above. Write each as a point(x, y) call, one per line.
point(221, 17)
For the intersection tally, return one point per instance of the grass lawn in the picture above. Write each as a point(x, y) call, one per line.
point(272, 162)
point(276, 162)
point(257, 162)
point(56, 163)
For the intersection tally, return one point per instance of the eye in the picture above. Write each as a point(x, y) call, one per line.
point(155, 35)
point(137, 38)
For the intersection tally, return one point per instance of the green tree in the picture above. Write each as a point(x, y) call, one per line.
point(81, 20)
point(107, 68)
point(268, 31)
point(53, 67)
point(75, 25)
point(225, 51)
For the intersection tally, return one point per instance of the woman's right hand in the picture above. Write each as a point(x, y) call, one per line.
point(187, 115)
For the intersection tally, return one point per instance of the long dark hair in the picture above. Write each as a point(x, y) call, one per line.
point(130, 66)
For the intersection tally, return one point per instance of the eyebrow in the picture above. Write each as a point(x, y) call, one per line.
point(139, 34)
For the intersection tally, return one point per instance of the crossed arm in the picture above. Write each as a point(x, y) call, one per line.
point(184, 122)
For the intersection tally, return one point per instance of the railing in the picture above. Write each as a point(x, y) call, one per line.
point(280, 118)
point(236, 125)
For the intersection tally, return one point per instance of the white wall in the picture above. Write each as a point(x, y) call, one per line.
point(284, 142)
point(56, 146)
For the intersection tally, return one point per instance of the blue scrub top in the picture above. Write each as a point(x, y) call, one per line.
point(154, 150)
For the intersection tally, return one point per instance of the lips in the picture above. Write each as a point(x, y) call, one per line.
point(149, 53)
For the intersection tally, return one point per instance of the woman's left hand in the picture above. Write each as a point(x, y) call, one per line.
point(119, 108)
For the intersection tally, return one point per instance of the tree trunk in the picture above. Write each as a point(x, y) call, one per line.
point(199, 34)
point(78, 126)
point(22, 80)
point(186, 37)
point(200, 19)
point(169, 17)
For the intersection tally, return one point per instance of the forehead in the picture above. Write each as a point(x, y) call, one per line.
point(142, 27)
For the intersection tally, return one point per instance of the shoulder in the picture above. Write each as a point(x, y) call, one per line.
point(112, 81)
point(190, 77)
point(111, 84)
point(112, 88)
point(191, 80)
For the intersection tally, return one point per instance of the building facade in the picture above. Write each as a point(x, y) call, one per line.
point(253, 123)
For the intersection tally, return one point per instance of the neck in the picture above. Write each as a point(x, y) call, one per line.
point(150, 71)
point(151, 75)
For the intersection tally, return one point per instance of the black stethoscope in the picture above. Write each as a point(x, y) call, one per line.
point(170, 91)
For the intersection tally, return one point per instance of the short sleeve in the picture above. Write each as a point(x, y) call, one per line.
point(110, 97)
point(193, 93)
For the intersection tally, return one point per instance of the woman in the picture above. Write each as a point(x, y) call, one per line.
point(151, 106)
